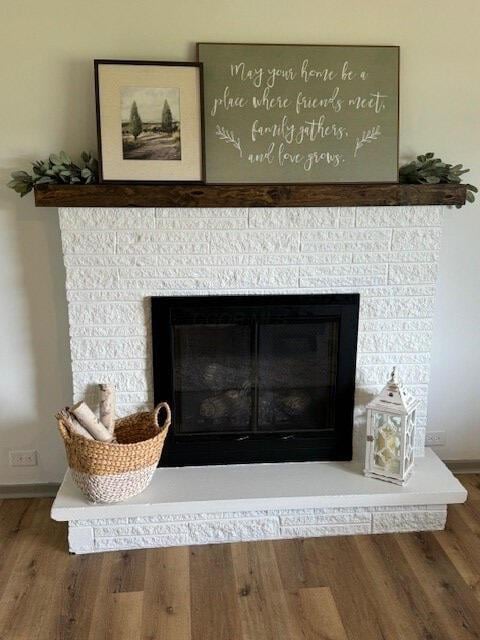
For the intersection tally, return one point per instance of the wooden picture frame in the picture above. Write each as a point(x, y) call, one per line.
point(236, 154)
point(149, 121)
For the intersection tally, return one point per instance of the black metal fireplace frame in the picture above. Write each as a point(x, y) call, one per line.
point(201, 449)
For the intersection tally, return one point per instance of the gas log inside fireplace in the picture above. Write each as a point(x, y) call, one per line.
point(256, 378)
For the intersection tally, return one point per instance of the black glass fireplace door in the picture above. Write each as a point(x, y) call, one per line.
point(256, 378)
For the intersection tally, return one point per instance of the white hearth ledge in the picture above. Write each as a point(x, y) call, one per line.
point(202, 505)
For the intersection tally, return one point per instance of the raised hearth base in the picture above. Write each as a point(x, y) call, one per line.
point(203, 505)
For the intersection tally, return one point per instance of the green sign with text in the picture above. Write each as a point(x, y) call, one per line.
point(300, 113)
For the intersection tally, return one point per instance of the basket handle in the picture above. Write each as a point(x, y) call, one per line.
point(65, 432)
point(168, 419)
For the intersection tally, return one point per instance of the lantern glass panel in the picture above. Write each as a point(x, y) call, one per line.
point(409, 439)
point(387, 437)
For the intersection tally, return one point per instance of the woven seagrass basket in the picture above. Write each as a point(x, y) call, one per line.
point(111, 472)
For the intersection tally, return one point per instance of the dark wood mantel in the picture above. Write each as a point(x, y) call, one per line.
point(250, 195)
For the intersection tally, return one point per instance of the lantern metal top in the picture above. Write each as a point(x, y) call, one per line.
point(394, 398)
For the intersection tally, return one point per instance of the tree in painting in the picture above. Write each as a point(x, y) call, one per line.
point(150, 123)
point(136, 125)
point(167, 119)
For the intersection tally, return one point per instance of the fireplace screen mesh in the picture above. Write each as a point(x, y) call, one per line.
point(297, 369)
point(255, 379)
point(238, 377)
point(214, 376)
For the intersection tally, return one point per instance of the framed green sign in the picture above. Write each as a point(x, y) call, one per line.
point(300, 113)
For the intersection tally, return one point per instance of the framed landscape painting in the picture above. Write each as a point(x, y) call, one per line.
point(149, 121)
point(287, 113)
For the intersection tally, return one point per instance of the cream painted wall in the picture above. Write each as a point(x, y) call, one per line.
point(47, 104)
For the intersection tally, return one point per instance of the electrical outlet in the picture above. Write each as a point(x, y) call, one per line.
point(435, 438)
point(27, 458)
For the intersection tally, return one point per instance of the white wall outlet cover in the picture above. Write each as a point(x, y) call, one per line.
point(23, 458)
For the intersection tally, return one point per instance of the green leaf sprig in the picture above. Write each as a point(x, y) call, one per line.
point(58, 169)
point(427, 169)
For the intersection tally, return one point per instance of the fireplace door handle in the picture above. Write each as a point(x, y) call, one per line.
point(242, 438)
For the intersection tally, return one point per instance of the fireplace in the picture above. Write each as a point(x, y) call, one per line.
point(256, 378)
point(118, 260)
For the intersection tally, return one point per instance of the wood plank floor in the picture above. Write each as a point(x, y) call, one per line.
point(385, 587)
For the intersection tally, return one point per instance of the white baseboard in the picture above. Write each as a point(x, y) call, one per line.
point(40, 490)
point(463, 466)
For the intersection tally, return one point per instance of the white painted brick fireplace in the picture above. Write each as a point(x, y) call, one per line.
point(116, 259)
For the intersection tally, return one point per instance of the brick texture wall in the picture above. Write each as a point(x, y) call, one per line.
point(116, 258)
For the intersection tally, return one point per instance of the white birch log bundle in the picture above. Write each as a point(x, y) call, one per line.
point(73, 424)
point(107, 406)
point(89, 420)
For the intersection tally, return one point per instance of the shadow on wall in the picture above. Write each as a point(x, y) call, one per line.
point(35, 366)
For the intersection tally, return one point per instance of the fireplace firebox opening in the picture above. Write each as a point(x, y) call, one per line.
point(256, 378)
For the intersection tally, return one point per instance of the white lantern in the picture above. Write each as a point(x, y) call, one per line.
point(391, 433)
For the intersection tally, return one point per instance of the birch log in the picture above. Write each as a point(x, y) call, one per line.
point(72, 423)
point(89, 420)
point(107, 406)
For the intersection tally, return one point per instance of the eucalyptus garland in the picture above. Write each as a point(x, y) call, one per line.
point(427, 169)
point(58, 169)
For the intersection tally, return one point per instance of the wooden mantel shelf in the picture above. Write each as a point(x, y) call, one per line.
point(251, 195)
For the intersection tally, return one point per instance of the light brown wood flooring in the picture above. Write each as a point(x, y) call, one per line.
point(408, 586)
